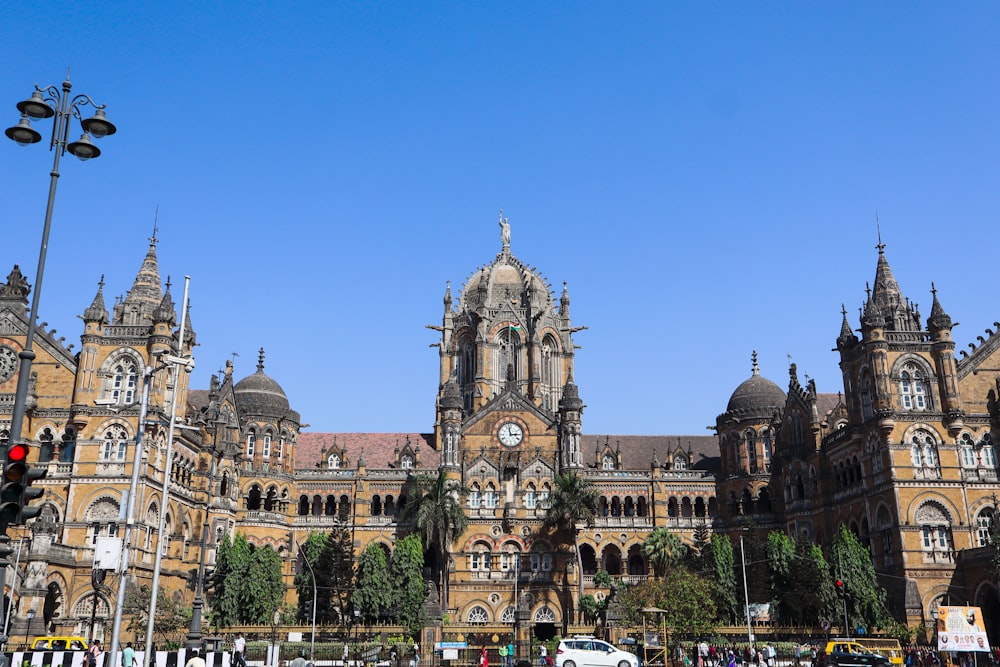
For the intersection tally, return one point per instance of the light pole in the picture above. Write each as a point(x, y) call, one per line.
point(193, 639)
point(312, 573)
point(158, 561)
point(48, 102)
point(133, 491)
point(27, 626)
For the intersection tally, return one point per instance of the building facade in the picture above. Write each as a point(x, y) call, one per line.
point(903, 455)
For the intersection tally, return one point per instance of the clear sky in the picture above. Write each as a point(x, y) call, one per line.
point(704, 176)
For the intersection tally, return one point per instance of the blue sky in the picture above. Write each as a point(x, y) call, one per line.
point(704, 176)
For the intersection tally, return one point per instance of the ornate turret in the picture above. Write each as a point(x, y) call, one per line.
point(97, 311)
point(145, 296)
point(16, 288)
point(570, 425)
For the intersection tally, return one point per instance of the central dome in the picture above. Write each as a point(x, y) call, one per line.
point(756, 394)
point(260, 394)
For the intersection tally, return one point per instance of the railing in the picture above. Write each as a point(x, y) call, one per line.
point(263, 515)
point(907, 336)
point(623, 522)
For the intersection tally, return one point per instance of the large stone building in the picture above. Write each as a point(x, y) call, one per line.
point(903, 455)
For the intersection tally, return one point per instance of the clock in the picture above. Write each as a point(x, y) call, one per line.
point(510, 434)
point(8, 362)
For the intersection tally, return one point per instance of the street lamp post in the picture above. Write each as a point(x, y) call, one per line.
point(193, 639)
point(27, 626)
point(312, 573)
point(48, 102)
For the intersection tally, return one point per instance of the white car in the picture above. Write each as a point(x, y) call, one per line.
point(590, 652)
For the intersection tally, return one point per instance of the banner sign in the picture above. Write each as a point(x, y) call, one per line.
point(961, 629)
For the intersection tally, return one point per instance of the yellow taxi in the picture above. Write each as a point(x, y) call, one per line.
point(59, 644)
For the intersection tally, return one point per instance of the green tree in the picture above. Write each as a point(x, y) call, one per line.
point(684, 597)
point(305, 585)
point(589, 607)
point(664, 549)
point(720, 570)
point(337, 562)
point(247, 583)
point(865, 597)
point(372, 594)
point(172, 615)
point(573, 503)
point(780, 551)
point(408, 587)
point(700, 539)
point(435, 507)
point(811, 596)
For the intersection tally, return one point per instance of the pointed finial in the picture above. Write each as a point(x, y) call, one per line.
point(933, 289)
point(868, 290)
point(260, 361)
point(156, 228)
point(100, 284)
point(755, 370)
point(168, 282)
point(878, 228)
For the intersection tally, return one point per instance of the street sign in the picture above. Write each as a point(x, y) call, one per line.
point(825, 624)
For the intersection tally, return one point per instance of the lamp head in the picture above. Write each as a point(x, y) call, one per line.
point(98, 126)
point(84, 148)
point(36, 106)
point(23, 133)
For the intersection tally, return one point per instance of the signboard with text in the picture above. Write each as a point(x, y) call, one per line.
point(961, 629)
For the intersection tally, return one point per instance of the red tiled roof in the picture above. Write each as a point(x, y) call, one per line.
point(380, 449)
point(638, 450)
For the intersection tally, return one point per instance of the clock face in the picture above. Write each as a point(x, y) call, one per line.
point(8, 362)
point(510, 434)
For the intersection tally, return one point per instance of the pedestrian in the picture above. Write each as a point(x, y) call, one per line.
point(510, 654)
point(770, 654)
point(196, 660)
point(484, 660)
point(128, 656)
point(95, 656)
point(239, 651)
point(503, 655)
point(542, 655)
point(300, 661)
point(347, 653)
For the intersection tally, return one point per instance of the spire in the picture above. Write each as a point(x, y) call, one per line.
point(146, 294)
point(564, 301)
point(97, 312)
point(166, 312)
point(846, 336)
point(886, 306)
point(753, 359)
point(570, 400)
point(886, 293)
point(260, 361)
point(939, 320)
point(447, 297)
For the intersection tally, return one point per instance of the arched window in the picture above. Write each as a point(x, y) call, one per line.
point(923, 453)
point(987, 454)
point(867, 405)
point(912, 394)
point(478, 616)
point(680, 462)
point(123, 382)
point(530, 498)
point(608, 462)
point(984, 526)
point(466, 360)
point(474, 496)
point(507, 615)
point(115, 443)
point(751, 443)
point(551, 375)
point(490, 497)
point(507, 356)
point(935, 528)
point(251, 442)
point(406, 462)
point(266, 450)
point(545, 615)
point(543, 496)
point(376, 505)
point(480, 559)
point(333, 461)
point(47, 449)
point(967, 450)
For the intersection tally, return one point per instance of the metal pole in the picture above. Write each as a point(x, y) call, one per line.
point(193, 639)
point(10, 601)
point(165, 494)
point(312, 646)
point(840, 573)
point(116, 626)
point(746, 594)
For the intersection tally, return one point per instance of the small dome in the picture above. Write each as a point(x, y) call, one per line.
point(260, 394)
point(756, 394)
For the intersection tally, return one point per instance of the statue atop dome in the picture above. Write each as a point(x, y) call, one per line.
point(504, 232)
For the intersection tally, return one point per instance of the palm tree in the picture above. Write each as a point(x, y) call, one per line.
point(572, 505)
point(664, 550)
point(435, 507)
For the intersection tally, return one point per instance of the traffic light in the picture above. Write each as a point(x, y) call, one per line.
point(12, 487)
point(30, 475)
point(839, 585)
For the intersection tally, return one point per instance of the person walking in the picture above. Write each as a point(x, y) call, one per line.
point(128, 656)
point(299, 661)
point(484, 660)
point(95, 655)
point(239, 650)
point(542, 655)
point(195, 660)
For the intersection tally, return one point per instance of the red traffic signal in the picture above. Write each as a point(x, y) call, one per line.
point(839, 585)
